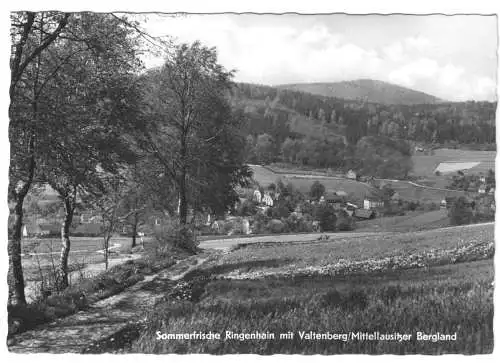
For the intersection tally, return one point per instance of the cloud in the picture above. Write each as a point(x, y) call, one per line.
point(407, 48)
point(285, 50)
point(448, 81)
point(410, 73)
point(394, 52)
point(418, 43)
point(450, 75)
point(484, 88)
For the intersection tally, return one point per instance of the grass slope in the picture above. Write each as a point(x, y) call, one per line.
point(447, 299)
point(424, 165)
point(275, 256)
point(303, 181)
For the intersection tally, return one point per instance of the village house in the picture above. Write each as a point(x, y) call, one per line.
point(351, 174)
point(364, 213)
point(267, 200)
point(90, 217)
point(257, 196)
point(372, 204)
point(336, 201)
point(36, 229)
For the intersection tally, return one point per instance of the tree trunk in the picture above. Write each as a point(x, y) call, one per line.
point(134, 231)
point(15, 274)
point(182, 202)
point(183, 185)
point(66, 245)
point(107, 237)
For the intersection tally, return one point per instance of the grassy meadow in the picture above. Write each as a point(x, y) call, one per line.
point(303, 181)
point(446, 297)
point(424, 165)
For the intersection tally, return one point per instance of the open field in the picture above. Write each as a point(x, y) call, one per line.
point(454, 297)
point(424, 165)
point(412, 192)
point(303, 182)
point(407, 190)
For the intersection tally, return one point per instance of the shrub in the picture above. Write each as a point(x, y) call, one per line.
point(233, 226)
point(325, 214)
point(281, 210)
point(297, 224)
point(344, 222)
point(276, 226)
point(176, 235)
point(317, 190)
point(260, 222)
point(460, 212)
point(427, 207)
point(247, 208)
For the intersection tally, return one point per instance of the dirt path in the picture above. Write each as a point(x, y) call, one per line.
point(75, 333)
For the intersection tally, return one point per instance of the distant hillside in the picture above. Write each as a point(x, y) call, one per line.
point(368, 90)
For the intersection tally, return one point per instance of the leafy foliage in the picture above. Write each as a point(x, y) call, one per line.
point(317, 190)
point(461, 212)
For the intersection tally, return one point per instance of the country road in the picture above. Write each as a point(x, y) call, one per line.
point(228, 243)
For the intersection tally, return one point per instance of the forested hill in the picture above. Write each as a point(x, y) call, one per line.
point(366, 90)
point(305, 113)
point(308, 129)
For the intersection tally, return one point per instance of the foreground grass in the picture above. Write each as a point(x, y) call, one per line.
point(278, 256)
point(80, 295)
point(447, 299)
point(452, 293)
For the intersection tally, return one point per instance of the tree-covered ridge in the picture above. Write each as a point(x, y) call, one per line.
point(449, 122)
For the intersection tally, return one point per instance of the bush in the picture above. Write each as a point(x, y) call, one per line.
point(393, 210)
point(460, 212)
point(281, 210)
point(247, 208)
point(233, 226)
point(410, 205)
point(344, 222)
point(325, 214)
point(298, 224)
point(276, 226)
point(317, 190)
point(427, 207)
point(260, 222)
point(175, 235)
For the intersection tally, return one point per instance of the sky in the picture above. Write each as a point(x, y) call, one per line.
point(451, 57)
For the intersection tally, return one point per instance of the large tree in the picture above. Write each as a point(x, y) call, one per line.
point(68, 105)
point(32, 35)
point(191, 129)
point(93, 105)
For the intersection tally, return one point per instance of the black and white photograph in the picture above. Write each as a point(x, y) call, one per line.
point(250, 182)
